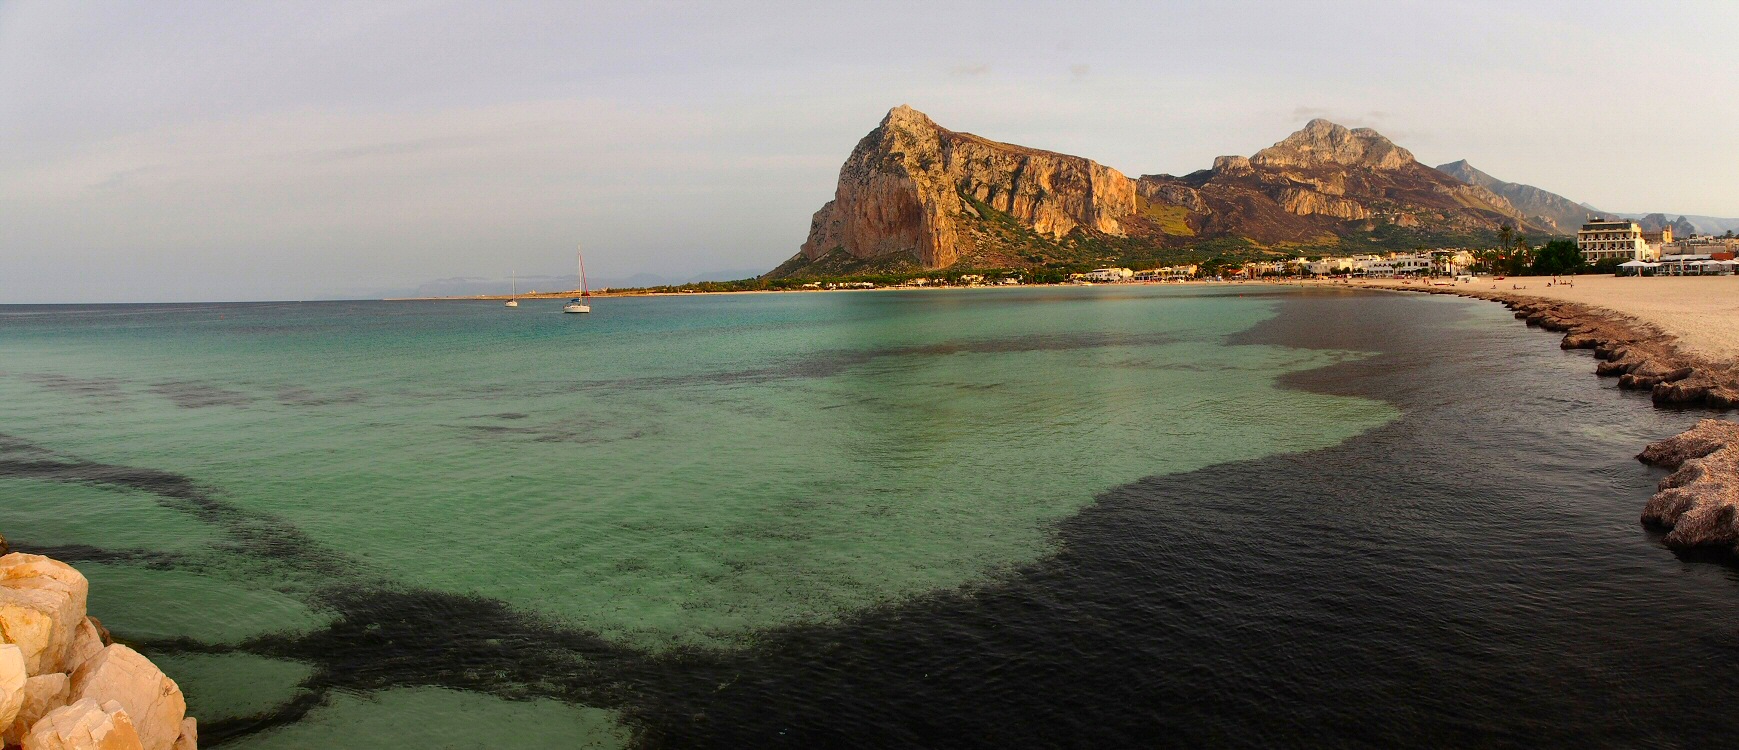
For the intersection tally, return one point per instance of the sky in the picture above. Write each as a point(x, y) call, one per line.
point(187, 151)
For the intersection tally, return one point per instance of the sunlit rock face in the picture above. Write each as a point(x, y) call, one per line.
point(1323, 143)
point(42, 603)
point(904, 189)
point(915, 194)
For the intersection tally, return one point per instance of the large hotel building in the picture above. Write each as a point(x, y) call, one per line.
point(1603, 239)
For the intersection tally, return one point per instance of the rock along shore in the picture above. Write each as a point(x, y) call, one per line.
point(64, 683)
point(1698, 504)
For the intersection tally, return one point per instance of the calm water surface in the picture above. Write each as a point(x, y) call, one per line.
point(1082, 517)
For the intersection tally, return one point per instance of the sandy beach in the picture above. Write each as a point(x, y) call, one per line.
point(1701, 312)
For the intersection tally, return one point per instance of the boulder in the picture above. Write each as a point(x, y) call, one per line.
point(1612, 369)
point(1690, 390)
point(154, 701)
point(1699, 502)
point(1579, 341)
point(189, 739)
point(42, 693)
point(84, 725)
point(87, 641)
point(12, 679)
point(4, 547)
point(42, 602)
point(102, 632)
point(1706, 437)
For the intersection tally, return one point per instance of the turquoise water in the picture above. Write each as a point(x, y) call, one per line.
point(667, 474)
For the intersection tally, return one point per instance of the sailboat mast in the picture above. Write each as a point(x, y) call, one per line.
point(582, 261)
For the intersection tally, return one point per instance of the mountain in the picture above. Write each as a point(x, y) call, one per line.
point(1567, 216)
point(1561, 214)
point(1698, 224)
point(1682, 227)
point(914, 195)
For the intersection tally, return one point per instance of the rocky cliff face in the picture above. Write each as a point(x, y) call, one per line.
point(909, 187)
point(1324, 144)
point(915, 193)
point(1541, 207)
point(1329, 181)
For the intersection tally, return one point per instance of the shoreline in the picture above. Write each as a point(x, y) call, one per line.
point(569, 295)
point(1697, 505)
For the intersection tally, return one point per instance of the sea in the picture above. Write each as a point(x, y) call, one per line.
point(1235, 515)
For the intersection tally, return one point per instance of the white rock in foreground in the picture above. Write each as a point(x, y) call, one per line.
point(42, 603)
point(189, 739)
point(154, 701)
point(84, 725)
point(86, 643)
point(12, 680)
point(42, 694)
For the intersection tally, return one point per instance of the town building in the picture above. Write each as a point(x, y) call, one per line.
point(1166, 273)
point(1613, 239)
point(1395, 264)
point(1108, 274)
point(1330, 266)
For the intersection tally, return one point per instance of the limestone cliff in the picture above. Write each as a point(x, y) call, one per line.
point(905, 189)
point(913, 194)
point(1323, 143)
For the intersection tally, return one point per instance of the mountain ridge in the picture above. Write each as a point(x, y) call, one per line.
point(1560, 213)
point(915, 195)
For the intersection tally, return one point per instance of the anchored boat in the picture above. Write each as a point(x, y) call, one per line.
point(582, 303)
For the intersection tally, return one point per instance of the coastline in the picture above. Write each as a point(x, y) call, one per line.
point(1697, 505)
point(569, 294)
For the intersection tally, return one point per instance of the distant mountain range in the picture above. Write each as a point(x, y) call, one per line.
point(913, 195)
point(1698, 224)
point(1560, 214)
point(1565, 215)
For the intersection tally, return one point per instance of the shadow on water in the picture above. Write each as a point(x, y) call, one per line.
point(1470, 574)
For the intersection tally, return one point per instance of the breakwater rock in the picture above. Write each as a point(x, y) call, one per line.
point(1698, 504)
point(1640, 355)
point(64, 684)
point(1699, 501)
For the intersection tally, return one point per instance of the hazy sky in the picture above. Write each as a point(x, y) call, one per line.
point(236, 150)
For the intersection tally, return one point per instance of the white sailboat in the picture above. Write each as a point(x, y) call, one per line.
point(513, 298)
point(582, 303)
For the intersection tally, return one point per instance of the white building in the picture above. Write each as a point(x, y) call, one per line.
point(1166, 273)
point(1108, 274)
point(1330, 266)
point(1616, 239)
point(1394, 265)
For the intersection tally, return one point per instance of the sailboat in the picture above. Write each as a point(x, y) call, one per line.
point(513, 299)
point(582, 303)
